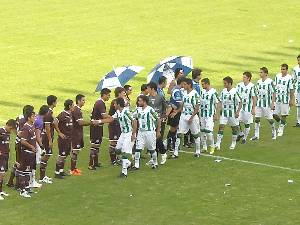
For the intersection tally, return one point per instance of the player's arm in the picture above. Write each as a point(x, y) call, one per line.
point(217, 104)
point(292, 96)
point(108, 119)
point(60, 134)
point(24, 141)
point(38, 137)
point(171, 86)
point(239, 105)
point(158, 123)
point(254, 99)
point(48, 133)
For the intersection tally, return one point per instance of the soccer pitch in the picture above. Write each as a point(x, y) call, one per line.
point(65, 47)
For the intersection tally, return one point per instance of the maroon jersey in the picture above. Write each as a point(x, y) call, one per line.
point(65, 124)
point(77, 116)
point(4, 141)
point(99, 110)
point(48, 119)
point(20, 121)
point(114, 130)
point(28, 134)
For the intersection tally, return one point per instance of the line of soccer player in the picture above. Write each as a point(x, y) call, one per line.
point(190, 113)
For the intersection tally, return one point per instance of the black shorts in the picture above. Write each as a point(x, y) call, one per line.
point(77, 142)
point(27, 160)
point(18, 149)
point(64, 147)
point(48, 150)
point(174, 122)
point(3, 163)
point(96, 134)
point(114, 131)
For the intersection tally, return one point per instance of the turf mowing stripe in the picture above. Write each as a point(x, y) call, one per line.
point(246, 161)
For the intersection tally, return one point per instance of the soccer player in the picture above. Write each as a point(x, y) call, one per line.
point(50, 123)
point(77, 134)
point(296, 79)
point(158, 103)
point(208, 104)
point(148, 131)
point(178, 73)
point(230, 105)
point(265, 103)
point(96, 130)
point(65, 124)
point(126, 139)
point(20, 121)
point(284, 92)
point(173, 113)
point(27, 154)
point(4, 151)
point(189, 119)
point(162, 84)
point(128, 90)
point(246, 91)
point(196, 75)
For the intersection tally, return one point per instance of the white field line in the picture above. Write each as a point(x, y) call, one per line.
point(246, 161)
point(238, 160)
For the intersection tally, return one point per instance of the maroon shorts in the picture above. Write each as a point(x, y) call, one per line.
point(48, 150)
point(114, 131)
point(3, 163)
point(77, 141)
point(64, 147)
point(18, 149)
point(27, 160)
point(96, 134)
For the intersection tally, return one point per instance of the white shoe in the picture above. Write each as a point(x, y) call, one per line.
point(49, 178)
point(218, 146)
point(163, 159)
point(280, 131)
point(204, 148)
point(36, 184)
point(165, 142)
point(46, 180)
point(274, 136)
point(4, 194)
point(25, 194)
point(150, 162)
point(1, 198)
point(232, 146)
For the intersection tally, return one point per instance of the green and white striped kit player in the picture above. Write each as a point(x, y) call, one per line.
point(283, 86)
point(296, 81)
point(125, 119)
point(230, 101)
point(208, 100)
point(189, 102)
point(264, 90)
point(246, 93)
point(147, 118)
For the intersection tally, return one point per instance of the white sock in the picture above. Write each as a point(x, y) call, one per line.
point(246, 133)
point(177, 144)
point(124, 166)
point(298, 114)
point(241, 133)
point(197, 145)
point(219, 139)
point(256, 129)
point(30, 179)
point(203, 138)
point(137, 156)
point(154, 158)
point(273, 127)
point(210, 138)
point(234, 137)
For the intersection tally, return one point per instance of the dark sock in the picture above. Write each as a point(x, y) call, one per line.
point(73, 161)
point(12, 176)
point(112, 153)
point(1, 183)
point(43, 166)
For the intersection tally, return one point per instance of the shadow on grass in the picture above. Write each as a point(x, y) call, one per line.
point(255, 58)
point(10, 104)
point(231, 63)
point(294, 49)
point(275, 53)
point(72, 91)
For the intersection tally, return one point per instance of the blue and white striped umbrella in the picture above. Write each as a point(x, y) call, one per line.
point(118, 77)
point(168, 66)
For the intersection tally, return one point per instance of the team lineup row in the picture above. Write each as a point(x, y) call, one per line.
point(190, 113)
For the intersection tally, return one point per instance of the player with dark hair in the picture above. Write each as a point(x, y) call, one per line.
point(177, 74)
point(4, 151)
point(162, 83)
point(65, 124)
point(296, 81)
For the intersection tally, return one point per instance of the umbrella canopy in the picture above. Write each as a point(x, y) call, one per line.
point(118, 77)
point(168, 66)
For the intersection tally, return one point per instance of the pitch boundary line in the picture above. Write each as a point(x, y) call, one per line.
point(245, 161)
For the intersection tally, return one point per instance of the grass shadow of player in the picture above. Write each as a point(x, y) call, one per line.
point(10, 104)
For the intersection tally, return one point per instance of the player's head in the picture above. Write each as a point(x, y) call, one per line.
point(30, 117)
point(205, 83)
point(142, 101)
point(144, 89)
point(69, 105)
point(128, 89)
point(80, 100)
point(263, 72)
point(43, 110)
point(27, 109)
point(196, 74)
point(120, 92)
point(152, 87)
point(120, 103)
point(298, 58)
point(181, 82)
point(188, 84)
point(227, 81)
point(178, 73)
point(247, 76)
point(52, 101)
point(105, 94)
point(162, 81)
point(11, 126)
point(284, 69)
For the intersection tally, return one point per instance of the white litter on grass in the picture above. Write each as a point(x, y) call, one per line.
point(227, 185)
point(264, 25)
point(218, 160)
point(130, 195)
point(291, 41)
point(290, 181)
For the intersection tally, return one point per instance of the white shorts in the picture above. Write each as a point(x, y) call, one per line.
point(207, 123)
point(38, 154)
point(124, 143)
point(266, 112)
point(231, 121)
point(282, 109)
point(297, 99)
point(246, 117)
point(185, 126)
point(146, 139)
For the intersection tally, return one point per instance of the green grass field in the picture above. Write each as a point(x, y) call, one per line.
point(65, 47)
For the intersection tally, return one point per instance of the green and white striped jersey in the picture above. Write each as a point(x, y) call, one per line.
point(246, 93)
point(264, 90)
point(208, 100)
point(230, 102)
point(190, 100)
point(125, 118)
point(283, 87)
point(147, 118)
point(296, 78)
